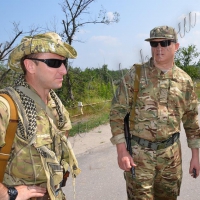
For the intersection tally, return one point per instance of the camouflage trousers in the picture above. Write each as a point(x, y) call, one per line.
point(158, 173)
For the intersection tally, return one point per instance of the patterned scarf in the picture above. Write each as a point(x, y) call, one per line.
point(30, 109)
point(27, 131)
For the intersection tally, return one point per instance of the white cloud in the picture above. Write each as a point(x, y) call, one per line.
point(110, 16)
point(83, 31)
point(81, 35)
point(108, 40)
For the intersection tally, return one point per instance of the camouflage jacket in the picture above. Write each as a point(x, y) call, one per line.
point(26, 165)
point(164, 101)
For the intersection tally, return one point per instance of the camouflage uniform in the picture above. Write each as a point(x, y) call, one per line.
point(164, 100)
point(25, 165)
point(40, 152)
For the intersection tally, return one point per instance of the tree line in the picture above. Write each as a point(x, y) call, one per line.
point(76, 15)
point(187, 58)
point(91, 84)
point(99, 83)
point(83, 85)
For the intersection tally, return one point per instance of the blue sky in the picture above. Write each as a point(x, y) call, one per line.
point(118, 43)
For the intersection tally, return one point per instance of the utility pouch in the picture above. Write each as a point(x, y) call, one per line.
point(65, 176)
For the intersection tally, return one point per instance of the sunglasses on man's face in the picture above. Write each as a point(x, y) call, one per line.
point(163, 43)
point(53, 63)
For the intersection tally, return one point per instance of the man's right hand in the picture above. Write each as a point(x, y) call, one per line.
point(26, 192)
point(125, 161)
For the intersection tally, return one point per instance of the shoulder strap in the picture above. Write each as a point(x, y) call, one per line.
point(38, 100)
point(10, 134)
point(136, 89)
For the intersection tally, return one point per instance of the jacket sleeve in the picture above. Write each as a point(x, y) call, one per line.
point(68, 124)
point(120, 107)
point(190, 118)
point(4, 119)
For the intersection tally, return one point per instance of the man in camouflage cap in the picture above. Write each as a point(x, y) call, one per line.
point(166, 97)
point(41, 153)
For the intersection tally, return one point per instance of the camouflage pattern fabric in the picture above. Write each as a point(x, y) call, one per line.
point(163, 32)
point(40, 168)
point(164, 100)
point(158, 174)
point(4, 116)
point(42, 43)
point(25, 165)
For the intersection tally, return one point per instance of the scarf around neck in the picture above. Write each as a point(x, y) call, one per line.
point(27, 108)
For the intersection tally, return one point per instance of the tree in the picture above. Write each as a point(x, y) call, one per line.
point(75, 18)
point(186, 56)
point(74, 13)
point(77, 80)
point(5, 48)
point(186, 59)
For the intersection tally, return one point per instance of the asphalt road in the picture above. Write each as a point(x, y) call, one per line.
point(101, 179)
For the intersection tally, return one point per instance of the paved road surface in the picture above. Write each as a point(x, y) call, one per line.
point(101, 179)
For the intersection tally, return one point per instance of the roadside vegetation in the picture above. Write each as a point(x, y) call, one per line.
point(87, 123)
point(93, 89)
point(87, 93)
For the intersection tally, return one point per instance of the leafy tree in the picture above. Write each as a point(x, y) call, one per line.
point(186, 56)
point(90, 84)
point(186, 59)
point(6, 75)
point(5, 48)
point(76, 12)
point(78, 82)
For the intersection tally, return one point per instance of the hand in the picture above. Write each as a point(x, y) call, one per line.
point(26, 192)
point(125, 161)
point(194, 164)
point(194, 173)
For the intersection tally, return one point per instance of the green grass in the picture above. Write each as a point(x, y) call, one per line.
point(94, 113)
point(90, 107)
point(88, 123)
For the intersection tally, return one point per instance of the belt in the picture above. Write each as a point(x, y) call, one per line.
point(156, 145)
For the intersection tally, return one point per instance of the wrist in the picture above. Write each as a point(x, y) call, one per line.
point(195, 153)
point(4, 192)
point(12, 193)
point(121, 147)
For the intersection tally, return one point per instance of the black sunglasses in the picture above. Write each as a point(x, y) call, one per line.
point(163, 43)
point(54, 63)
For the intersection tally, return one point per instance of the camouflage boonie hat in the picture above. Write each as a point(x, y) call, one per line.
point(163, 32)
point(42, 43)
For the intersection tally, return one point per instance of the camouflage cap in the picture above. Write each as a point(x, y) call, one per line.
point(42, 43)
point(163, 32)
